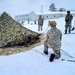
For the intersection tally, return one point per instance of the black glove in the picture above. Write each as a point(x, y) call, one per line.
point(73, 28)
point(66, 20)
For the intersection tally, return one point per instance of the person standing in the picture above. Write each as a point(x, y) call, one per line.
point(53, 40)
point(73, 26)
point(40, 23)
point(68, 20)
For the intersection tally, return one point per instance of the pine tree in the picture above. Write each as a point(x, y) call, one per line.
point(62, 9)
point(52, 7)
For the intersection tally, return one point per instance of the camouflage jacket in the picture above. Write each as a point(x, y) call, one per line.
point(54, 37)
point(40, 21)
point(68, 19)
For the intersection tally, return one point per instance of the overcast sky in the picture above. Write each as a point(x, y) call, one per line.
point(15, 7)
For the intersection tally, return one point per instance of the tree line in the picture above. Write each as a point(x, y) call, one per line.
point(53, 8)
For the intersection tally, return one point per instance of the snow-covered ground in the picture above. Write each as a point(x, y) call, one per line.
point(33, 63)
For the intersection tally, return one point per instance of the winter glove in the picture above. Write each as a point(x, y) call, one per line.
point(66, 20)
point(72, 29)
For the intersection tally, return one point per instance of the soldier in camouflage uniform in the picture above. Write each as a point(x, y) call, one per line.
point(53, 40)
point(68, 20)
point(40, 23)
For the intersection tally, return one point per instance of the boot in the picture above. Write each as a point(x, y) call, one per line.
point(52, 56)
point(69, 31)
point(46, 52)
point(65, 31)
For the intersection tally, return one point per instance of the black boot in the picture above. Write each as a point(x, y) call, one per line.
point(65, 31)
point(46, 52)
point(52, 56)
point(69, 31)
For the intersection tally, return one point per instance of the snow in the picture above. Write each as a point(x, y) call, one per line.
point(33, 63)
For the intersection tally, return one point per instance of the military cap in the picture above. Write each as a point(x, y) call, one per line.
point(68, 11)
point(53, 23)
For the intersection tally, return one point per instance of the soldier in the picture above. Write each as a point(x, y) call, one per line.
point(40, 23)
point(53, 40)
point(73, 26)
point(68, 20)
point(48, 23)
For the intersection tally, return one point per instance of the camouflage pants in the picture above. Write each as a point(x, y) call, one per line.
point(39, 27)
point(68, 28)
point(56, 52)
